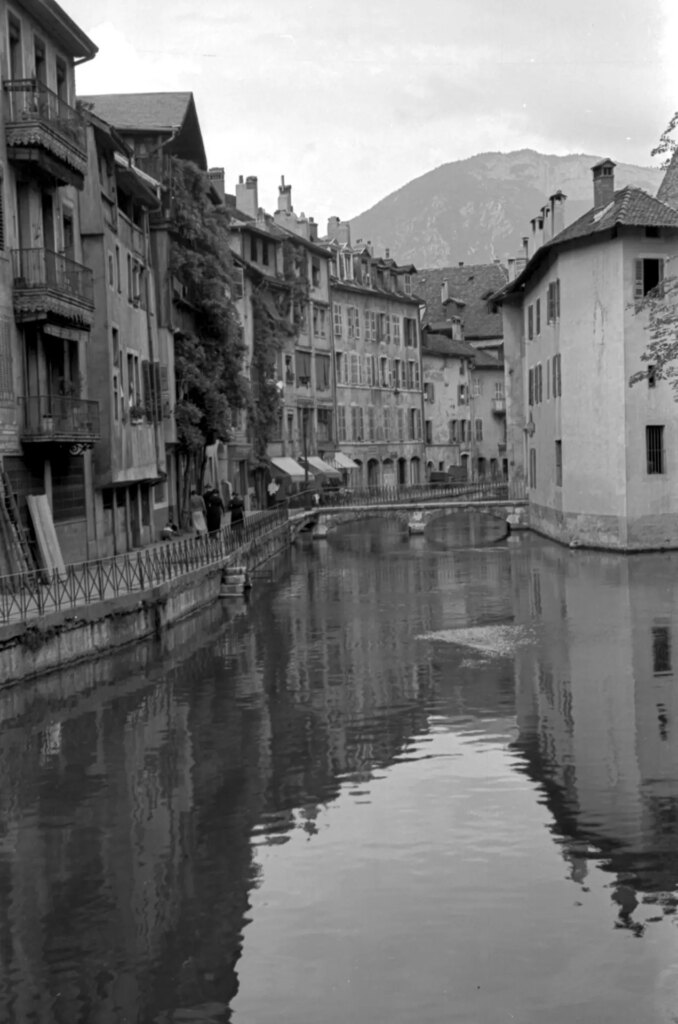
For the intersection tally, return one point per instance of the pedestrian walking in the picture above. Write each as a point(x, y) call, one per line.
point(198, 510)
point(215, 508)
point(237, 508)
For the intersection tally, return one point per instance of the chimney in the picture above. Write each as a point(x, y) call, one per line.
point(247, 196)
point(445, 292)
point(284, 196)
point(526, 247)
point(387, 254)
point(546, 222)
point(603, 184)
point(344, 235)
point(511, 268)
point(333, 227)
point(218, 180)
point(312, 230)
point(557, 201)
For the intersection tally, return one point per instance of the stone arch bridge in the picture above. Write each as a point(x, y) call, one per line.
point(416, 515)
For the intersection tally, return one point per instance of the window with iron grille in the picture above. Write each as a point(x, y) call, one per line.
point(654, 442)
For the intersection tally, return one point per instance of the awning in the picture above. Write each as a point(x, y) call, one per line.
point(288, 466)
point(341, 461)
point(318, 467)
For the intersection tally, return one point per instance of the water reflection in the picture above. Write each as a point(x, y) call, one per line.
point(331, 800)
point(596, 706)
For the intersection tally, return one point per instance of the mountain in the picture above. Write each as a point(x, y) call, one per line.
point(479, 209)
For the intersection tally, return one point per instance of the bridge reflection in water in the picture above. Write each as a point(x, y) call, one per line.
point(410, 780)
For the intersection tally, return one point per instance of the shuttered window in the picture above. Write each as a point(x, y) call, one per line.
point(6, 384)
point(2, 212)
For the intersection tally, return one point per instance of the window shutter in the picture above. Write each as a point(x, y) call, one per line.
point(531, 387)
point(2, 213)
point(557, 298)
point(638, 290)
point(149, 395)
point(6, 381)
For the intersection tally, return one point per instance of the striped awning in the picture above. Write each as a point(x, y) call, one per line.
point(320, 468)
point(341, 461)
point(290, 467)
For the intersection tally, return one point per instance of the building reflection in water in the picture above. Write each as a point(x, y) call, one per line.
point(597, 710)
point(136, 790)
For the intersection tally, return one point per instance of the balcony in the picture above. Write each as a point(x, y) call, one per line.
point(47, 286)
point(499, 406)
point(44, 132)
point(56, 419)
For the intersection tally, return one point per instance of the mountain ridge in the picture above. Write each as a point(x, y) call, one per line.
point(478, 209)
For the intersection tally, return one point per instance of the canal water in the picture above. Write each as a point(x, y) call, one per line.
point(428, 779)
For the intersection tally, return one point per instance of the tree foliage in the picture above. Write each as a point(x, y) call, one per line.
point(667, 144)
point(271, 334)
point(660, 306)
point(209, 349)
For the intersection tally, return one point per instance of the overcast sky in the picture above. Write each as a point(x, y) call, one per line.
point(350, 100)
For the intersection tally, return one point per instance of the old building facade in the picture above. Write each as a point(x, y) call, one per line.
point(48, 422)
point(599, 458)
point(377, 358)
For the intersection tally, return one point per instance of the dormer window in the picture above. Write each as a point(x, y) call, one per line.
point(407, 284)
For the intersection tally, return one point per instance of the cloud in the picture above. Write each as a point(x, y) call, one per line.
point(352, 100)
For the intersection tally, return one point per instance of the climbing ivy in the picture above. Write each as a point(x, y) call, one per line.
point(209, 350)
point(272, 334)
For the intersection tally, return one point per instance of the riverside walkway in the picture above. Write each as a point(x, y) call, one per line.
point(30, 595)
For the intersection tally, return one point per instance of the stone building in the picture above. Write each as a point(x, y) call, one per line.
point(48, 422)
point(377, 359)
point(464, 407)
point(285, 312)
point(155, 127)
point(599, 458)
point(125, 370)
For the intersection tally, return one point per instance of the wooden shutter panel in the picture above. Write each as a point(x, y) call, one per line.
point(531, 387)
point(149, 394)
point(164, 392)
point(638, 290)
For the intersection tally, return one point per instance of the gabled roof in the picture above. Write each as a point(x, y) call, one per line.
point(631, 207)
point(172, 114)
point(433, 343)
point(468, 285)
point(53, 20)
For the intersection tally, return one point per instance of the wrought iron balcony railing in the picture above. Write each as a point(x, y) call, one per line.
point(43, 270)
point(60, 418)
point(29, 100)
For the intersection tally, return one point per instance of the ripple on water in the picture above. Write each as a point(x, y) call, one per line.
point(496, 640)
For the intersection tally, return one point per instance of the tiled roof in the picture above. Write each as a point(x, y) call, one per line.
point(468, 284)
point(442, 345)
point(142, 111)
point(631, 207)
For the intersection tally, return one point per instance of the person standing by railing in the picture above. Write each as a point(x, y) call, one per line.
point(237, 509)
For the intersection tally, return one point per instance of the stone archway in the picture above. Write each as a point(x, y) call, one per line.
point(402, 472)
point(372, 473)
point(388, 473)
point(415, 470)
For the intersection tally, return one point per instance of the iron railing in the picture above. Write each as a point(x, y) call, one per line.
point(42, 270)
point(58, 417)
point(31, 100)
point(468, 490)
point(28, 595)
